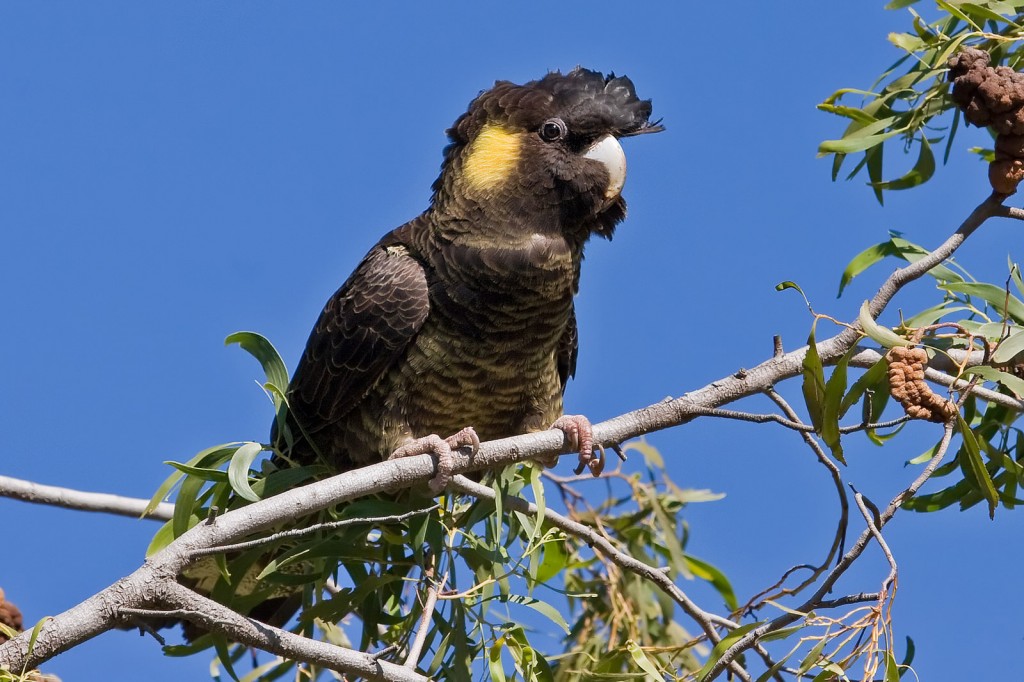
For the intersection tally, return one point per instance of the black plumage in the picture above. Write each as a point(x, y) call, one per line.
point(464, 316)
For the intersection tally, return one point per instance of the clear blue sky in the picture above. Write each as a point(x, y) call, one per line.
point(174, 172)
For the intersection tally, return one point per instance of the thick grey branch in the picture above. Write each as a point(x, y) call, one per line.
point(209, 614)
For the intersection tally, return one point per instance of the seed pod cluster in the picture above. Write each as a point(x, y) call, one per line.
point(993, 96)
point(9, 616)
point(906, 384)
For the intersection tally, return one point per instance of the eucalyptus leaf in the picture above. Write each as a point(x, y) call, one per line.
point(881, 335)
point(238, 470)
point(260, 348)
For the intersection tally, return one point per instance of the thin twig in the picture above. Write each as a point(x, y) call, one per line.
point(308, 530)
point(416, 649)
point(876, 532)
point(837, 480)
point(847, 560)
point(27, 491)
point(704, 619)
point(848, 600)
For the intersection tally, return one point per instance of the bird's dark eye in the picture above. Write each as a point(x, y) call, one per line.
point(553, 129)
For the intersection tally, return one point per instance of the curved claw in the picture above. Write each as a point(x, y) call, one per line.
point(580, 433)
point(465, 438)
point(441, 448)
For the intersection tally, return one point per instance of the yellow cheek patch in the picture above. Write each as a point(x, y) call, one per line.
point(491, 158)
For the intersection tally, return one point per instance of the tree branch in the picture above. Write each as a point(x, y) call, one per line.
point(27, 491)
point(750, 638)
point(657, 576)
point(210, 615)
point(154, 583)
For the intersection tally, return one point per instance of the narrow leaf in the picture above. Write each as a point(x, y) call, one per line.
point(209, 457)
point(238, 470)
point(922, 171)
point(725, 643)
point(706, 571)
point(991, 294)
point(864, 260)
point(640, 658)
point(834, 390)
point(814, 382)
point(881, 335)
point(260, 348)
point(872, 378)
point(1009, 346)
point(1010, 381)
point(974, 468)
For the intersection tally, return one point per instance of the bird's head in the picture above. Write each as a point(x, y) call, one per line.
point(548, 150)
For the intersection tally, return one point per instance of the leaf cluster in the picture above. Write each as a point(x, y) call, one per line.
point(361, 581)
point(910, 100)
point(986, 318)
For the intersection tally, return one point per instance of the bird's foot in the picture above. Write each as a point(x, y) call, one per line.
point(441, 448)
point(580, 433)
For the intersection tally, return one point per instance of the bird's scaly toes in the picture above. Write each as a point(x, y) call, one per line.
point(441, 448)
point(580, 433)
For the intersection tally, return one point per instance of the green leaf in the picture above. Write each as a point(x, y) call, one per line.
point(873, 378)
point(981, 12)
point(939, 500)
point(494, 661)
point(202, 473)
point(861, 139)
point(788, 284)
point(900, 4)
point(554, 560)
point(238, 470)
point(995, 296)
point(161, 539)
point(906, 41)
point(706, 571)
point(1010, 381)
point(908, 658)
point(864, 260)
point(892, 670)
point(644, 663)
point(533, 472)
point(210, 457)
point(834, 390)
point(184, 516)
point(33, 637)
point(873, 161)
point(935, 313)
point(974, 468)
point(666, 524)
point(814, 382)
point(260, 348)
point(650, 453)
point(532, 666)
point(1010, 346)
point(813, 656)
point(725, 643)
point(879, 334)
point(1015, 276)
point(922, 171)
point(853, 113)
point(957, 13)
